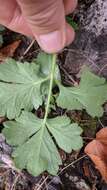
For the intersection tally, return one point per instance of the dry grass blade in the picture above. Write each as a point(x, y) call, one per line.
point(41, 185)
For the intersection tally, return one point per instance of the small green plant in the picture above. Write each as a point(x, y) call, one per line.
point(26, 86)
point(72, 23)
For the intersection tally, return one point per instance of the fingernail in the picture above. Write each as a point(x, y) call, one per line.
point(52, 42)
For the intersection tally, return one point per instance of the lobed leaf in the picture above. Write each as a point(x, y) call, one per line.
point(20, 87)
point(35, 149)
point(90, 94)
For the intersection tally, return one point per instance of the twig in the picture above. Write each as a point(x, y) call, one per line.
point(101, 123)
point(15, 182)
point(36, 51)
point(29, 47)
point(89, 138)
point(46, 186)
point(101, 70)
point(71, 164)
point(70, 77)
point(37, 185)
point(44, 181)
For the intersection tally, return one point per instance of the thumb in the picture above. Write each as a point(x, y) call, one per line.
point(47, 22)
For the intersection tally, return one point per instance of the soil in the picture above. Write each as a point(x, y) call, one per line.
point(89, 48)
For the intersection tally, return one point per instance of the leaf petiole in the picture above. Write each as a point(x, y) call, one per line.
point(50, 87)
point(54, 56)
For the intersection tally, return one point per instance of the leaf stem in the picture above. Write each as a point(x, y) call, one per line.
point(48, 100)
point(50, 86)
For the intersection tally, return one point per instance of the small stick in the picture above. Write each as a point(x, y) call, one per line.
point(72, 163)
point(102, 69)
point(44, 181)
point(29, 47)
point(15, 181)
point(101, 123)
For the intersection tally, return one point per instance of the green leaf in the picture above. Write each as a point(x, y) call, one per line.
point(45, 62)
point(20, 87)
point(35, 150)
point(65, 133)
point(72, 22)
point(91, 94)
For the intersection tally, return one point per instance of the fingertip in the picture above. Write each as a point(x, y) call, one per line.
point(52, 42)
point(55, 41)
point(70, 6)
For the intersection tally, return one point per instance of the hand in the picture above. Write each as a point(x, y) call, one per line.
point(42, 19)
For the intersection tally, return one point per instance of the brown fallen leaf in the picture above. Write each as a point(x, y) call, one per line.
point(97, 151)
point(9, 50)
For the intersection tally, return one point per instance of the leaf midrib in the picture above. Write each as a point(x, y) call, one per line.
point(48, 103)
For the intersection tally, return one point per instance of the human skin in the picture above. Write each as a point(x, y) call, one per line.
point(42, 19)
